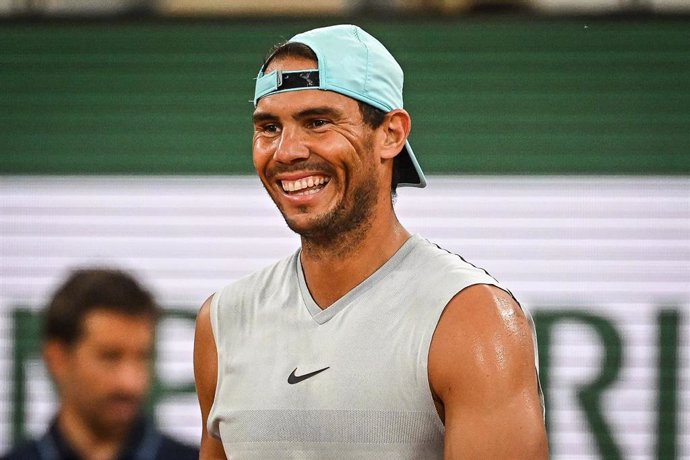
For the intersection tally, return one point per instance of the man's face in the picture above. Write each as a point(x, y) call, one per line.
point(314, 155)
point(104, 377)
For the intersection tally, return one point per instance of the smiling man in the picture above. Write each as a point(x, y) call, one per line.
point(368, 341)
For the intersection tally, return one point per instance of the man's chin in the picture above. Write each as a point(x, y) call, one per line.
point(301, 223)
point(110, 427)
point(120, 417)
point(308, 228)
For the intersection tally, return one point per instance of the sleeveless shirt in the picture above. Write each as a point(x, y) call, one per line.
point(350, 381)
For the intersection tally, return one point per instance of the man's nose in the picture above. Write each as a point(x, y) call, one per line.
point(133, 378)
point(292, 146)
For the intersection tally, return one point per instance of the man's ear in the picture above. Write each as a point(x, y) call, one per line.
point(396, 127)
point(55, 357)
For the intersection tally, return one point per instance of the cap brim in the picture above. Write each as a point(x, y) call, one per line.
point(409, 172)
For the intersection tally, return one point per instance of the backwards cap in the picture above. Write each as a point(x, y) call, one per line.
point(353, 63)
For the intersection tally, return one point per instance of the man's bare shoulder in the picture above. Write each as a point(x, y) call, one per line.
point(482, 371)
point(482, 327)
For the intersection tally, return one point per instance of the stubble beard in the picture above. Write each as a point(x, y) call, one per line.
point(103, 427)
point(338, 231)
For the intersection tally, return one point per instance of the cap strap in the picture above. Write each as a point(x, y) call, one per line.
point(284, 80)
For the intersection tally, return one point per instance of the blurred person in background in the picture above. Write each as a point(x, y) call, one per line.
point(98, 334)
point(368, 341)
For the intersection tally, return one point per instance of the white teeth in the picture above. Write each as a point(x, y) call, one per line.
point(304, 183)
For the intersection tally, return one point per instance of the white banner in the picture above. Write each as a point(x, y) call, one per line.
point(603, 263)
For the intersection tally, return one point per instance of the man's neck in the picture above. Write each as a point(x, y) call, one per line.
point(87, 443)
point(334, 270)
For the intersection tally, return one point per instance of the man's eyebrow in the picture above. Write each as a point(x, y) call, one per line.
point(319, 112)
point(259, 117)
point(326, 111)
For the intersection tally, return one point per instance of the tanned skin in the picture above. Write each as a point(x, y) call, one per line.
point(481, 361)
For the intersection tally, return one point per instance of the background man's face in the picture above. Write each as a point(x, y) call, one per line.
point(104, 377)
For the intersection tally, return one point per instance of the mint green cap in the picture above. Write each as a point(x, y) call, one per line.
point(353, 63)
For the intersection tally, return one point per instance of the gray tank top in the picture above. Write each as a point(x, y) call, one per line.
point(350, 381)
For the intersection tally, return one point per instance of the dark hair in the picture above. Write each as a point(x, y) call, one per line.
point(371, 115)
point(287, 50)
point(86, 290)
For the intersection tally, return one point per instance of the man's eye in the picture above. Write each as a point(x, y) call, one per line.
point(268, 128)
point(110, 356)
point(318, 123)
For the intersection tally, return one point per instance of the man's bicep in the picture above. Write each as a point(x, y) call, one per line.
point(205, 377)
point(481, 368)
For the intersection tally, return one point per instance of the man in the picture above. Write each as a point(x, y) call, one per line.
point(98, 345)
point(368, 342)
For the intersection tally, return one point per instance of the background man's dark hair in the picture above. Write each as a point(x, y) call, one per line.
point(371, 115)
point(86, 290)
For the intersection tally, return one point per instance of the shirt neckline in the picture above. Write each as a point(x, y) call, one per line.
point(322, 316)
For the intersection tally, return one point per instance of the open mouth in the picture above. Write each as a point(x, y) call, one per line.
point(304, 186)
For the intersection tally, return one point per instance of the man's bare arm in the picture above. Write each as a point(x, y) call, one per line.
point(482, 372)
point(205, 376)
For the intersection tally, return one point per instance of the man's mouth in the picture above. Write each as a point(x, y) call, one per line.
point(123, 406)
point(304, 186)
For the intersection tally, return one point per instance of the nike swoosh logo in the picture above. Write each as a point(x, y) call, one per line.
point(292, 378)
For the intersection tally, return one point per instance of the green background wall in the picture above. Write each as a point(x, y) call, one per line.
point(488, 95)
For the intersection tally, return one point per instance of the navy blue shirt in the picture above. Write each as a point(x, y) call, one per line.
point(145, 442)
